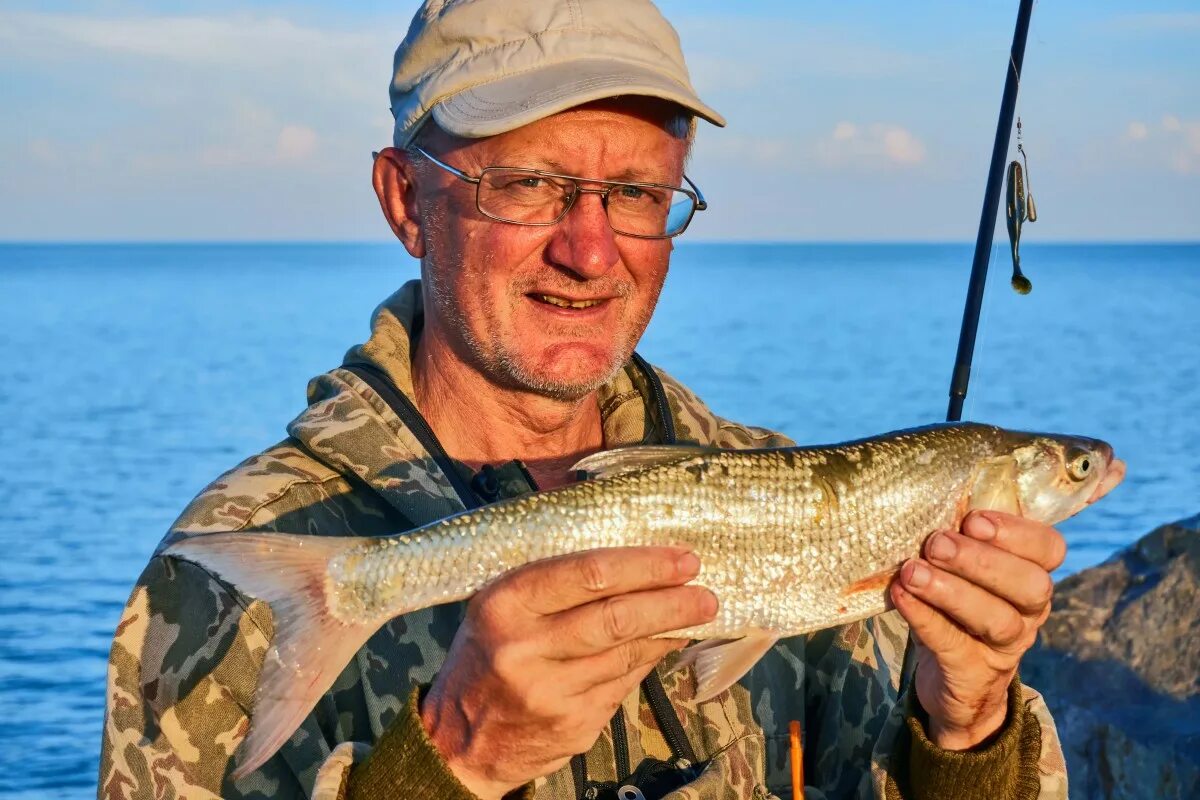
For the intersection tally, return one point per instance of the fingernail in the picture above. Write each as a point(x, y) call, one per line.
point(709, 604)
point(941, 547)
point(688, 565)
point(980, 527)
point(918, 575)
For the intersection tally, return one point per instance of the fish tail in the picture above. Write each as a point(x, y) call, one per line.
point(310, 646)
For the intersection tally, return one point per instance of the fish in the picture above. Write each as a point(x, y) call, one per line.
point(791, 540)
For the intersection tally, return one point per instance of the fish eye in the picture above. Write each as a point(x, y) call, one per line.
point(1080, 466)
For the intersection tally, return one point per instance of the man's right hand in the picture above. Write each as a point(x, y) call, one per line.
point(546, 654)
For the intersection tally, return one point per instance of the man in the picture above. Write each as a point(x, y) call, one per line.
point(537, 174)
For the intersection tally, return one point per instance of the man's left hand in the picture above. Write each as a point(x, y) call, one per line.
point(975, 604)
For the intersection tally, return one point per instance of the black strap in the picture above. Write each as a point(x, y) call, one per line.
point(656, 695)
point(403, 408)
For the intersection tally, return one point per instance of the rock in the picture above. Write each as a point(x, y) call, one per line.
point(1119, 664)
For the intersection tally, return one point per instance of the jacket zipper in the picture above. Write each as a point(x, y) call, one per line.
point(620, 744)
point(660, 399)
point(668, 723)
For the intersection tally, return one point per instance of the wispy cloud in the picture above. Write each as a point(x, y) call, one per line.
point(785, 51)
point(1137, 131)
point(235, 41)
point(1155, 22)
point(858, 146)
point(1170, 141)
point(228, 91)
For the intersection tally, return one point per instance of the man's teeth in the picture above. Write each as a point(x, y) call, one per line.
point(564, 303)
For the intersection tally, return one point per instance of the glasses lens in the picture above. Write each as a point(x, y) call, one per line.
point(518, 195)
point(649, 210)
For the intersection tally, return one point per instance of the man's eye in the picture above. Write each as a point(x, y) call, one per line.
point(531, 182)
point(634, 193)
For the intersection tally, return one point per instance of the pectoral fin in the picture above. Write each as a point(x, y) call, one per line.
point(720, 662)
point(995, 487)
point(875, 582)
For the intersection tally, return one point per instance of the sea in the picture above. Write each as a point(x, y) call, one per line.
point(135, 374)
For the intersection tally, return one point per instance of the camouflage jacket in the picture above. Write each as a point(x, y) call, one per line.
point(187, 650)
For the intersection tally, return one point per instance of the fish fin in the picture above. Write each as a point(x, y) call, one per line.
point(720, 662)
point(995, 487)
point(608, 463)
point(310, 646)
point(876, 581)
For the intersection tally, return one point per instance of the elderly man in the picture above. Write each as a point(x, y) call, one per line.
point(538, 176)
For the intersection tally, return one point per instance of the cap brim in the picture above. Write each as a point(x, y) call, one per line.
point(520, 99)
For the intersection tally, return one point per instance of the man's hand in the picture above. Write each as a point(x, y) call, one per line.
point(546, 654)
point(975, 604)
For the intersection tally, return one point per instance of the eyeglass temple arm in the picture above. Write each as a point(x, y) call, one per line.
point(455, 172)
point(701, 203)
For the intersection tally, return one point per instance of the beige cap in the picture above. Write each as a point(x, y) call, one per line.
point(482, 67)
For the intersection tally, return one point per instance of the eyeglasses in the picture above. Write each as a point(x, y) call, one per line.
point(534, 197)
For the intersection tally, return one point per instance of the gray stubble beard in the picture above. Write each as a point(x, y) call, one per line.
point(501, 365)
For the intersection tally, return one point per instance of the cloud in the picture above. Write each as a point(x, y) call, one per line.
point(844, 131)
point(42, 150)
point(233, 41)
point(788, 53)
point(1173, 142)
point(295, 143)
point(177, 95)
point(1153, 22)
point(870, 146)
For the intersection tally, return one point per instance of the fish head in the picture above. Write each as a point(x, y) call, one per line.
point(1057, 475)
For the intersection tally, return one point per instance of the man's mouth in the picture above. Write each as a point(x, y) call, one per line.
point(564, 302)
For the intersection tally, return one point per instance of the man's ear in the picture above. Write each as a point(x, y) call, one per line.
point(395, 185)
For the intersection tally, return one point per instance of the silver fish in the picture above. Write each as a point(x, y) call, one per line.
point(790, 540)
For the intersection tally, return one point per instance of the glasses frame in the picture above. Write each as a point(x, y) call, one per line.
point(697, 197)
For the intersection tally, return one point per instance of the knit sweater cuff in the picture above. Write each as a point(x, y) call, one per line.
point(1005, 768)
point(405, 763)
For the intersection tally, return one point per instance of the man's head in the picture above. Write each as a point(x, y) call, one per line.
point(590, 88)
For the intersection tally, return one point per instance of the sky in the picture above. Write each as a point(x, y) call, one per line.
point(237, 120)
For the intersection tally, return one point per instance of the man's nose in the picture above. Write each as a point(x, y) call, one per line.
point(583, 241)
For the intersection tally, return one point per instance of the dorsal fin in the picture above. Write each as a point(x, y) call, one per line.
point(608, 463)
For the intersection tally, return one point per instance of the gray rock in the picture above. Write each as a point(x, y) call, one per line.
point(1119, 664)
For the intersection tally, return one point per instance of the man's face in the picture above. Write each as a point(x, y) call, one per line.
point(496, 291)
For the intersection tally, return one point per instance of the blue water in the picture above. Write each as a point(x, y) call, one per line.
point(135, 374)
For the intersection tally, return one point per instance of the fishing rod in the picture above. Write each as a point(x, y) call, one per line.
point(961, 376)
point(983, 250)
